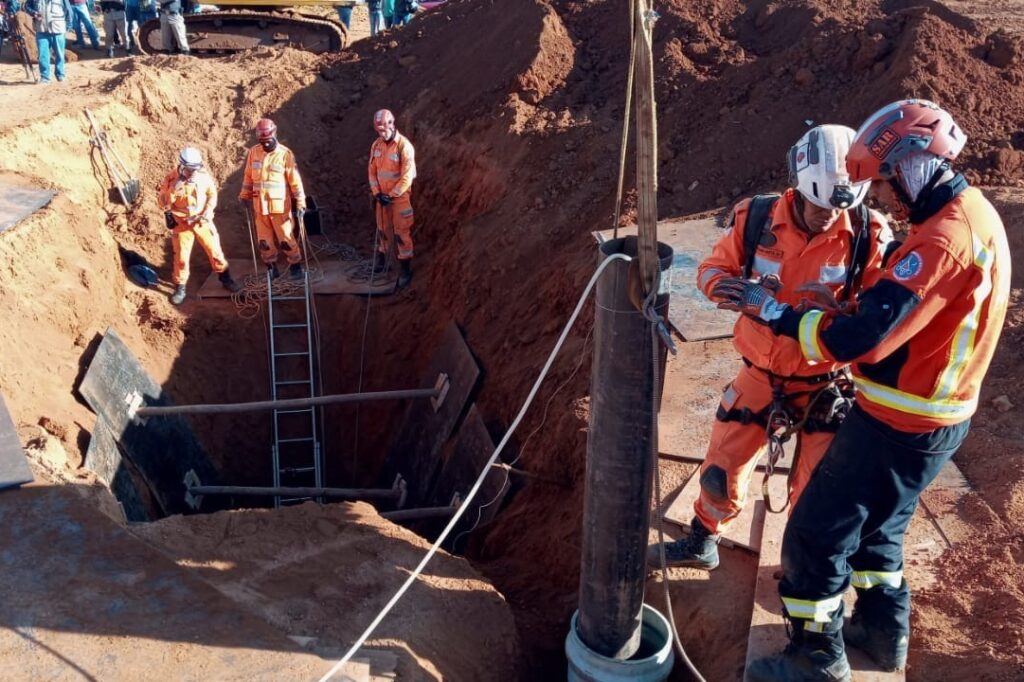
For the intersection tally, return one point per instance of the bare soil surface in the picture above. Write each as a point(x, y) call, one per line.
point(515, 116)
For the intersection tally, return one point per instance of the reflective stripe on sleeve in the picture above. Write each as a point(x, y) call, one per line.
point(819, 611)
point(702, 281)
point(865, 580)
point(808, 333)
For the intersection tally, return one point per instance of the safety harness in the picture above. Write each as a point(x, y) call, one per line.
point(830, 395)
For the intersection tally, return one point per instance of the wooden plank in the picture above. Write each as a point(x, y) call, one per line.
point(472, 448)
point(416, 450)
point(19, 199)
point(126, 484)
point(692, 315)
point(163, 449)
point(330, 277)
point(767, 627)
point(14, 468)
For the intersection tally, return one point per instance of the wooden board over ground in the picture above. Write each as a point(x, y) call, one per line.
point(86, 600)
point(472, 448)
point(745, 531)
point(416, 450)
point(14, 468)
point(162, 449)
point(692, 315)
point(331, 278)
point(19, 199)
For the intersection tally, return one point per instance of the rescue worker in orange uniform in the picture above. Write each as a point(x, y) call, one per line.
point(817, 235)
point(921, 340)
point(392, 170)
point(273, 184)
point(188, 197)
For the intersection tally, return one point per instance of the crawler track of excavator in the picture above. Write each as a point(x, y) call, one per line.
point(235, 31)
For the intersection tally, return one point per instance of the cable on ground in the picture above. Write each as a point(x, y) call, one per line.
point(483, 474)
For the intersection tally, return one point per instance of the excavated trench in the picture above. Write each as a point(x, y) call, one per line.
point(517, 150)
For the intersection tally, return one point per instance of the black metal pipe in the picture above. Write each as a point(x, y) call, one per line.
point(289, 404)
point(616, 513)
point(340, 493)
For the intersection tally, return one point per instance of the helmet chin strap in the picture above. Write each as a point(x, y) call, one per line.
point(269, 145)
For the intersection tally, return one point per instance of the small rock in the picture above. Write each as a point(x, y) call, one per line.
point(804, 77)
point(1000, 49)
point(693, 185)
point(1002, 403)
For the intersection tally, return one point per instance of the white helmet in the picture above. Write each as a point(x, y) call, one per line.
point(191, 158)
point(817, 168)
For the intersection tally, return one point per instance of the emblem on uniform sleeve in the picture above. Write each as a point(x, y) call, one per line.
point(909, 267)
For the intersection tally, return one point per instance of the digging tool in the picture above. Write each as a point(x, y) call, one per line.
point(128, 187)
point(9, 30)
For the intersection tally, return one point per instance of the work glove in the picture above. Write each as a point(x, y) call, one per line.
point(300, 213)
point(169, 220)
point(755, 301)
point(821, 298)
point(727, 288)
point(384, 199)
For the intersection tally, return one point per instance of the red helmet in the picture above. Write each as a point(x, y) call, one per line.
point(898, 130)
point(265, 129)
point(383, 121)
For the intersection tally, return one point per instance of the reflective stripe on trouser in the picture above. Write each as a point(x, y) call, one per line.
point(115, 22)
point(735, 449)
point(183, 240)
point(399, 216)
point(853, 514)
point(276, 231)
point(172, 32)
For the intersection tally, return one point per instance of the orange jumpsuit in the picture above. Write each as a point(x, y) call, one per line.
point(273, 183)
point(192, 202)
point(392, 170)
point(797, 258)
point(925, 370)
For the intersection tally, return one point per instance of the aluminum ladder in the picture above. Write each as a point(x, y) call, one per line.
point(296, 449)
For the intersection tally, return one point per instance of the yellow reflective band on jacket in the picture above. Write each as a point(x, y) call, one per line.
point(814, 627)
point(966, 333)
point(865, 580)
point(702, 281)
point(809, 324)
point(818, 611)
point(914, 404)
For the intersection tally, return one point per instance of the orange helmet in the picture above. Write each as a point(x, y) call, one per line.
point(265, 129)
point(384, 121)
point(899, 130)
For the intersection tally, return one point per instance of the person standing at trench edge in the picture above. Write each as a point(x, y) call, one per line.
point(392, 169)
point(817, 235)
point(273, 184)
point(921, 341)
point(188, 197)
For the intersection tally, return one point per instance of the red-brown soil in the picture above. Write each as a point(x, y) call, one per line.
point(515, 114)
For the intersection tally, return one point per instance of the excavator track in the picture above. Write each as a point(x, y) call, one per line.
point(238, 30)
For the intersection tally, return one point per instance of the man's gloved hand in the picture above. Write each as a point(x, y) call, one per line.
point(755, 301)
point(728, 288)
point(169, 222)
point(384, 199)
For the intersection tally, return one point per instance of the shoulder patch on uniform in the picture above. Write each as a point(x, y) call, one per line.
point(910, 266)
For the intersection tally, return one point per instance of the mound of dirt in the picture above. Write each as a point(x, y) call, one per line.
point(325, 572)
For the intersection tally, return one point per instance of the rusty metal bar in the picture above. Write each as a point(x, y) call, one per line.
point(284, 491)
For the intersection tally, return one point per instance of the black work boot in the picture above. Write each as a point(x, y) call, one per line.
point(380, 263)
point(405, 276)
point(887, 649)
point(809, 657)
point(274, 272)
point(228, 282)
point(295, 272)
point(179, 295)
point(699, 549)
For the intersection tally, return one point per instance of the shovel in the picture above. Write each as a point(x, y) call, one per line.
point(127, 187)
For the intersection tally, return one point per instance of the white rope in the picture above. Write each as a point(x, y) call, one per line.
point(483, 474)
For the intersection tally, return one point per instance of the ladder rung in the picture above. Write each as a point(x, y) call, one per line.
point(294, 499)
point(289, 298)
point(295, 440)
point(297, 470)
point(293, 383)
point(288, 355)
point(290, 326)
point(305, 410)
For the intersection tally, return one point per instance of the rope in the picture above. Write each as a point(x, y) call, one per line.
point(483, 474)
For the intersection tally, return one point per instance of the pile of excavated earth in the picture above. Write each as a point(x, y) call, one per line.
point(516, 112)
